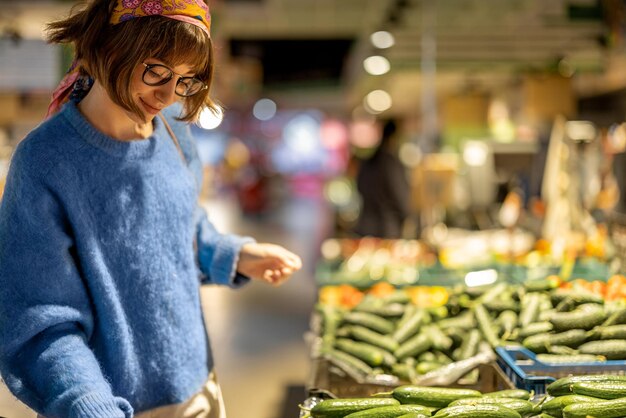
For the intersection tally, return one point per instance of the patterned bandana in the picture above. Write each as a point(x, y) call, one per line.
point(75, 86)
point(195, 12)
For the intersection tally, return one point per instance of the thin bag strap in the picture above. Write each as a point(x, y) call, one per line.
point(174, 138)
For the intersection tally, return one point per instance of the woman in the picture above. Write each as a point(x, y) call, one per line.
point(102, 243)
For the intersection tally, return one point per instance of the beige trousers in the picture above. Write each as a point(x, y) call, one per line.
point(207, 403)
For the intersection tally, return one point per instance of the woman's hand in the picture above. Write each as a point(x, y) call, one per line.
point(267, 262)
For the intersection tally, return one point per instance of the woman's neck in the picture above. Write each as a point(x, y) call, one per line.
point(109, 118)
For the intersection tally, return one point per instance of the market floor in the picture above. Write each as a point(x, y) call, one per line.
point(258, 331)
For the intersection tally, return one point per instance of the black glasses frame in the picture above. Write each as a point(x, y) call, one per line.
point(181, 79)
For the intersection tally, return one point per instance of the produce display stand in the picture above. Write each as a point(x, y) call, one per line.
point(325, 377)
point(527, 372)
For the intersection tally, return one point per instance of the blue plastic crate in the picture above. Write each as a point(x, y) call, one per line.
point(526, 372)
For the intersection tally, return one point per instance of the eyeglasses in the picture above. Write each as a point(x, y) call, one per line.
point(158, 75)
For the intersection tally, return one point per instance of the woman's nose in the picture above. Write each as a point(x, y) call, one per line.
point(167, 92)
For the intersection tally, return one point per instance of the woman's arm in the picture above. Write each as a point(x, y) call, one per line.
point(45, 312)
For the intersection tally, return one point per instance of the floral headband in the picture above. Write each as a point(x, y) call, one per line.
point(195, 12)
point(75, 86)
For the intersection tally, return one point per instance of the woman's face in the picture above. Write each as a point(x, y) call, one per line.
point(152, 99)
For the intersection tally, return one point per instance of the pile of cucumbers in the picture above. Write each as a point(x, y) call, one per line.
point(599, 396)
point(390, 335)
point(410, 401)
point(591, 396)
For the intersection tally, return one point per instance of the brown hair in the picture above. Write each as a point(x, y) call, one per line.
point(110, 53)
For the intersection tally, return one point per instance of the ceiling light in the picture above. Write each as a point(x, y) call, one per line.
point(264, 109)
point(376, 65)
point(377, 101)
point(382, 39)
point(210, 119)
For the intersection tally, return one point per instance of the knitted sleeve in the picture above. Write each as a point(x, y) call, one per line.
point(45, 311)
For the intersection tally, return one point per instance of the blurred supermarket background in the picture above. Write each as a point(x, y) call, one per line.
point(510, 129)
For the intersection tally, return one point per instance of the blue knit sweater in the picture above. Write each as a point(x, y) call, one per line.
point(99, 280)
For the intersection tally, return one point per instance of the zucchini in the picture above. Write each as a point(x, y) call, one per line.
point(366, 335)
point(391, 411)
point(585, 316)
point(339, 408)
point(431, 396)
point(477, 410)
point(563, 386)
point(555, 406)
point(410, 327)
point(615, 408)
point(602, 390)
point(611, 349)
point(413, 346)
point(510, 393)
point(540, 343)
point(523, 407)
point(369, 320)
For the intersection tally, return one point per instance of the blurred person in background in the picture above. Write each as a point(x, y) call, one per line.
point(382, 183)
point(103, 246)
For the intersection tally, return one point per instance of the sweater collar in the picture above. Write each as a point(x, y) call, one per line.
point(135, 149)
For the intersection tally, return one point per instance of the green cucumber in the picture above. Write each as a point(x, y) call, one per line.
point(611, 332)
point(469, 347)
point(440, 341)
point(540, 285)
point(413, 346)
point(535, 328)
point(616, 318)
point(398, 296)
point(411, 326)
point(555, 406)
point(369, 320)
point(391, 411)
point(339, 408)
point(431, 396)
point(390, 310)
point(348, 362)
point(540, 343)
point(486, 325)
point(523, 407)
point(501, 305)
point(366, 335)
point(477, 410)
point(413, 415)
point(424, 367)
point(531, 304)
point(611, 349)
point(602, 390)
point(464, 320)
point(563, 386)
point(576, 358)
point(510, 393)
point(562, 349)
point(615, 408)
point(363, 351)
point(508, 320)
point(331, 318)
point(585, 316)
point(576, 296)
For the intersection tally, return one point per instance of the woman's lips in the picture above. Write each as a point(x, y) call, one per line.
point(150, 109)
